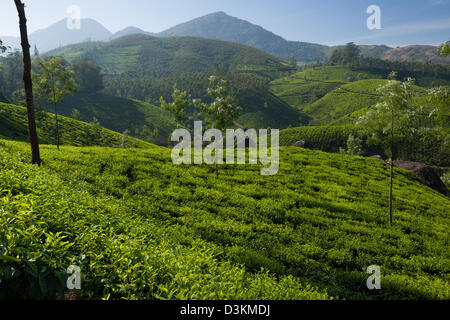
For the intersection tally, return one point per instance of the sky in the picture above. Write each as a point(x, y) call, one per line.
point(329, 22)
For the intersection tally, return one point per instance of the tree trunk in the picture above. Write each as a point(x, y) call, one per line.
point(390, 192)
point(35, 154)
point(392, 168)
point(57, 127)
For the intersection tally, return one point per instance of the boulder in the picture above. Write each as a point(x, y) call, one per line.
point(425, 173)
point(378, 157)
point(299, 144)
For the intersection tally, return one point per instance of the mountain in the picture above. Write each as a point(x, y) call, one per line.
point(221, 26)
point(417, 53)
point(128, 31)
point(59, 35)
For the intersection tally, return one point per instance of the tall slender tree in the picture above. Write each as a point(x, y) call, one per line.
point(53, 82)
point(388, 124)
point(34, 141)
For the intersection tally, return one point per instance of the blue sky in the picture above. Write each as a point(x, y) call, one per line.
point(320, 21)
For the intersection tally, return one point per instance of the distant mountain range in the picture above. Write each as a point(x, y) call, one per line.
point(221, 26)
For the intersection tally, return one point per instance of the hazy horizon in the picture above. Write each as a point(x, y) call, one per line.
point(403, 23)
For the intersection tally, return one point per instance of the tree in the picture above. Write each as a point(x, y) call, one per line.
point(292, 62)
point(95, 132)
point(53, 82)
point(179, 106)
point(34, 142)
point(389, 122)
point(445, 49)
point(222, 112)
point(88, 76)
point(348, 55)
point(2, 47)
point(75, 114)
point(12, 75)
point(36, 51)
point(124, 139)
point(354, 146)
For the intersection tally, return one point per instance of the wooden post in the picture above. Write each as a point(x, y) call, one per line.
point(35, 154)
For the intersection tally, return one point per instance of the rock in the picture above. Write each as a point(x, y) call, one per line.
point(378, 157)
point(299, 144)
point(425, 173)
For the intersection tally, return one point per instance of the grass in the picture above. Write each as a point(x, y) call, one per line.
point(141, 227)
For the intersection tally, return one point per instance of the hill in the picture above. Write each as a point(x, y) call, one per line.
point(14, 126)
point(158, 57)
point(415, 53)
point(142, 228)
point(304, 88)
point(129, 31)
point(147, 68)
point(120, 114)
point(59, 35)
point(221, 26)
point(330, 94)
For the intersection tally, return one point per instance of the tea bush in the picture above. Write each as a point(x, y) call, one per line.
point(142, 228)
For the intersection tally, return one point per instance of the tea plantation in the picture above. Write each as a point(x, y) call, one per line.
point(140, 227)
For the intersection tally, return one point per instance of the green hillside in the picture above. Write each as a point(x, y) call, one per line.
point(344, 100)
point(140, 227)
point(304, 88)
point(119, 114)
point(268, 110)
point(347, 99)
point(158, 57)
point(324, 138)
point(14, 126)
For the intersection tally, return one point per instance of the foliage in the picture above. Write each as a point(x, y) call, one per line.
point(251, 91)
point(445, 49)
point(140, 227)
point(88, 76)
point(52, 82)
point(223, 111)
point(182, 101)
point(347, 55)
point(354, 146)
point(403, 126)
